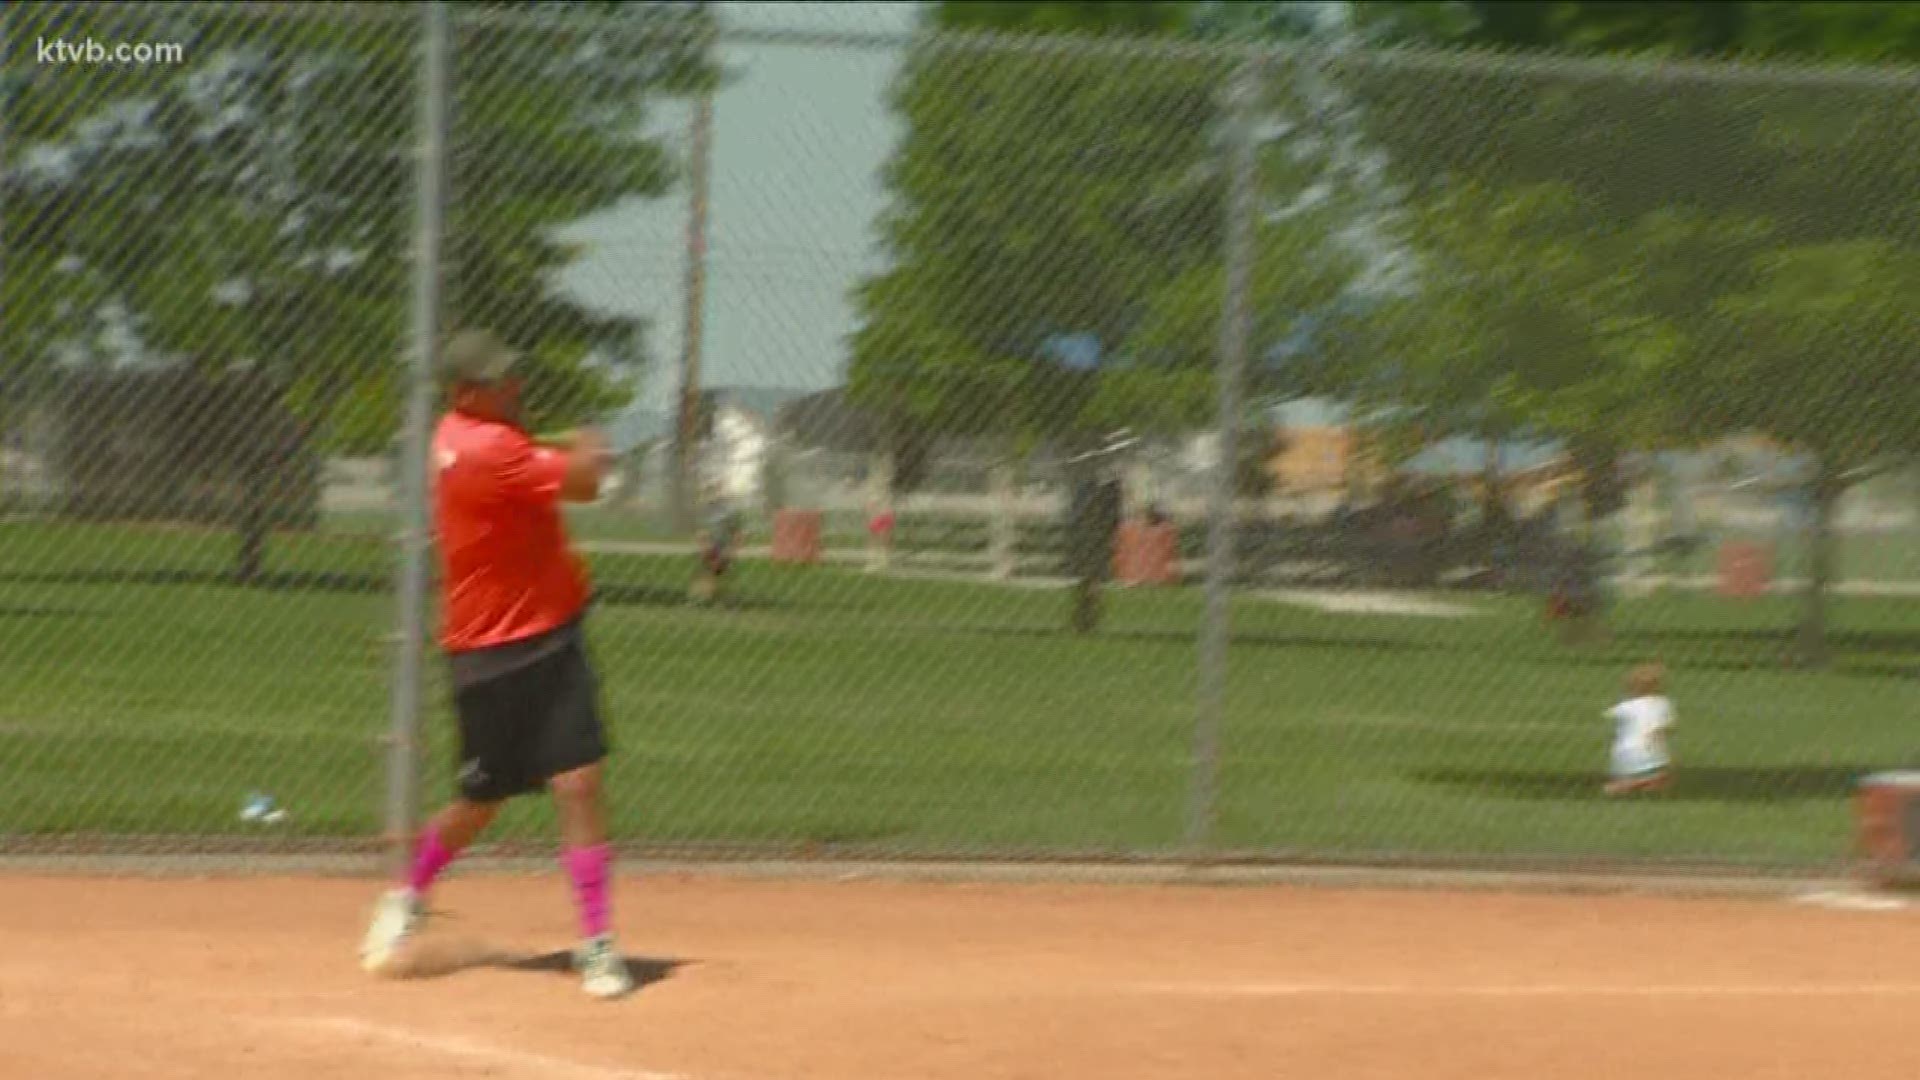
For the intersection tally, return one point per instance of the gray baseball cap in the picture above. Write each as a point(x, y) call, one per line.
point(477, 356)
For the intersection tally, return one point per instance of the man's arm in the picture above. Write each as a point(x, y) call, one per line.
point(570, 469)
point(588, 461)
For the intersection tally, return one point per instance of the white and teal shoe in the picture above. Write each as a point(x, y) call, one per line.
point(396, 919)
point(603, 972)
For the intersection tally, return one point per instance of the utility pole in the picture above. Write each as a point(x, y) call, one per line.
point(686, 432)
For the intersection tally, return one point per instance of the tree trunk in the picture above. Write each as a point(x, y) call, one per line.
point(6, 459)
point(1085, 616)
point(1811, 648)
point(1091, 519)
point(267, 459)
point(253, 530)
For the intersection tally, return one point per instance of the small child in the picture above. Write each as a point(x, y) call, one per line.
point(1640, 758)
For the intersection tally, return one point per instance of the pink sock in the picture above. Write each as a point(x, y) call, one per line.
point(588, 868)
point(429, 859)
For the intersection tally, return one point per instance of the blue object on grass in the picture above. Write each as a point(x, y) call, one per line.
point(1075, 352)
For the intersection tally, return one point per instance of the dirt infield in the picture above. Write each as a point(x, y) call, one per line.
point(758, 980)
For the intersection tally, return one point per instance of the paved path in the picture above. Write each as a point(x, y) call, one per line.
point(1194, 569)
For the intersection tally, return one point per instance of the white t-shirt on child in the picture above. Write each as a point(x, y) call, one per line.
point(1638, 723)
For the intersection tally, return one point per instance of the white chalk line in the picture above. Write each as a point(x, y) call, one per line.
point(1522, 990)
point(539, 1064)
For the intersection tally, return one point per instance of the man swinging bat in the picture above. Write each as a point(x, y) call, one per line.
point(524, 688)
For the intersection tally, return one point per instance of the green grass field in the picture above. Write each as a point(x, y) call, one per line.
point(143, 692)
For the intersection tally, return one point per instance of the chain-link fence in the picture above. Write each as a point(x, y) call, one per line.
point(1534, 372)
point(207, 220)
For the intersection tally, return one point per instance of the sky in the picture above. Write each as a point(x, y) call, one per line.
point(800, 135)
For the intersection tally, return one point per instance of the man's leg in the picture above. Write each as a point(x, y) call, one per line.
point(450, 832)
point(584, 848)
point(571, 748)
point(397, 917)
point(588, 859)
point(490, 748)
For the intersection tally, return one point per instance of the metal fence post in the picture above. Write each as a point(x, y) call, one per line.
point(403, 776)
point(1215, 634)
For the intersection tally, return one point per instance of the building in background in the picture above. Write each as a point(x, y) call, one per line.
point(739, 432)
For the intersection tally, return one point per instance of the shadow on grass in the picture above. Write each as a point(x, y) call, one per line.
point(41, 611)
point(1705, 783)
point(1740, 651)
point(1879, 670)
point(1879, 642)
point(607, 593)
point(1620, 654)
point(1778, 662)
point(269, 581)
point(1854, 654)
point(1188, 637)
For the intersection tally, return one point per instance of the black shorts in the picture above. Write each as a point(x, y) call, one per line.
point(523, 723)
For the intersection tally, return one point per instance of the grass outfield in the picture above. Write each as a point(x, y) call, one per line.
point(142, 692)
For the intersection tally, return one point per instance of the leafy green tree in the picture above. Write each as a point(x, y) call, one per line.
point(1706, 190)
point(1076, 192)
point(1674, 28)
point(1818, 353)
point(1037, 196)
point(1600, 256)
point(1137, 19)
point(1819, 155)
point(253, 206)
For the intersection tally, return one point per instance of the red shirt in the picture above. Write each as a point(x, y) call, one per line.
point(507, 571)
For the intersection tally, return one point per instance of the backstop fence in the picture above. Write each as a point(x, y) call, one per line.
point(1115, 448)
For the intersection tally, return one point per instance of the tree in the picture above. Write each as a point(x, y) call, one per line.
point(549, 130)
point(1819, 354)
point(1539, 316)
point(1717, 181)
point(1511, 322)
point(1296, 285)
point(1367, 23)
point(1577, 230)
point(1039, 197)
point(1079, 191)
point(1821, 156)
point(1142, 18)
point(252, 207)
point(1676, 28)
point(1253, 475)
